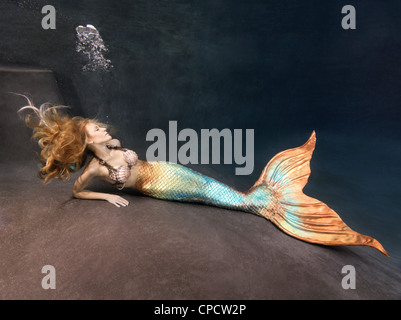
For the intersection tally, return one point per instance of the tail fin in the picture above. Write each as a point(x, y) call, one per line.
point(301, 216)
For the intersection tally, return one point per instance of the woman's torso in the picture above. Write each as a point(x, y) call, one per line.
point(117, 170)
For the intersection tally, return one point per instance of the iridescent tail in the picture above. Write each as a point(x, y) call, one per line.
point(297, 214)
point(277, 196)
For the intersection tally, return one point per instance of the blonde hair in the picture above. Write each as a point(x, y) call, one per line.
point(62, 139)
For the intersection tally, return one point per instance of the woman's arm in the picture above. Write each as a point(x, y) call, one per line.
point(78, 191)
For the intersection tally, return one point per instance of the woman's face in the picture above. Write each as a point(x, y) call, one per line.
point(96, 134)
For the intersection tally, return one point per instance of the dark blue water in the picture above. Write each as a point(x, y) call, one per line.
point(282, 68)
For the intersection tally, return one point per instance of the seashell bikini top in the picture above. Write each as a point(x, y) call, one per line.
point(121, 174)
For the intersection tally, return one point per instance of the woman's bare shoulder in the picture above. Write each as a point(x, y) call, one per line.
point(93, 167)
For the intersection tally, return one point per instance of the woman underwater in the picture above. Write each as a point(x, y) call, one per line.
point(277, 195)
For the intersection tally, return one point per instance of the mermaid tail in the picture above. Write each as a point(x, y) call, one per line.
point(297, 214)
point(277, 196)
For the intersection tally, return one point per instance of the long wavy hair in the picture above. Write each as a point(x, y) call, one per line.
point(61, 137)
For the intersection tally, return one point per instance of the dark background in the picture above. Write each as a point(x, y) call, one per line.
point(282, 68)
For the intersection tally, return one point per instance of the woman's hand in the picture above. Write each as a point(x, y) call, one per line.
point(116, 200)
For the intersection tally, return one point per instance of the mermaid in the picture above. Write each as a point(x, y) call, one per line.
point(71, 143)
